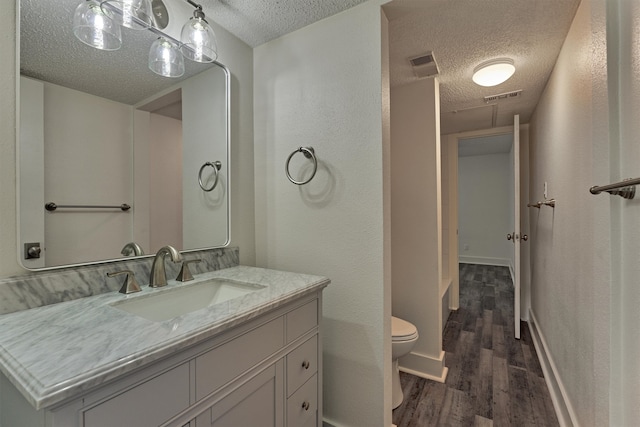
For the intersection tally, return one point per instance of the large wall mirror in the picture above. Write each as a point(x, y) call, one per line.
point(99, 131)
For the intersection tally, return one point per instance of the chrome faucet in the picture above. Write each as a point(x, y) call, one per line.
point(158, 277)
point(132, 248)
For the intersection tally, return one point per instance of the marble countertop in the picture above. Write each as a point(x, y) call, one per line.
point(58, 351)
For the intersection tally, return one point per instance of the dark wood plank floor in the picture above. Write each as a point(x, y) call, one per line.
point(494, 379)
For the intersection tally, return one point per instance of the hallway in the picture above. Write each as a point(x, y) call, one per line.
point(493, 379)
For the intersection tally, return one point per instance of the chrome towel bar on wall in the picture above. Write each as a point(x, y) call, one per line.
point(52, 207)
point(625, 188)
point(309, 153)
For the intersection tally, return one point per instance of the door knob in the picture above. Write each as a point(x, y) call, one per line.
point(525, 237)
point(509, 236)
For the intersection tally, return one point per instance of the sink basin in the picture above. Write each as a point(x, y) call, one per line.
point(171, 303)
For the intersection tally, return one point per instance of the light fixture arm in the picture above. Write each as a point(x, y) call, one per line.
point(198, 13)
point(194, 4)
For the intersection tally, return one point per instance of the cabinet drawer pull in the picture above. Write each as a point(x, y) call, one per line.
point(305, 405)
point(305, 364)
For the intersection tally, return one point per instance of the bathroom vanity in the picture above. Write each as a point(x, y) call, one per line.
point(254, 359)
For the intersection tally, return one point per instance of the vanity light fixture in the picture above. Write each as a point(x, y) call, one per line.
point(97, 24)
point(134, 14)
point(197, 37)
point(94, 28)
point(165, 58)
point(493, 72)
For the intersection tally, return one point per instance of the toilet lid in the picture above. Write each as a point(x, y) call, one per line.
point(402, 330)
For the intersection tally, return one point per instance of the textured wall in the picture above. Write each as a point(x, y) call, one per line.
point(416, 220)
point(624, 60)
point(570, 274)
point(322, 86)
point(8, 248)
point(165, 183)
point(85, 136)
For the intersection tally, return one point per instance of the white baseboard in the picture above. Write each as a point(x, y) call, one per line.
point(511, 272)
point(424, 366)
point(502, 262)
point(564, 410)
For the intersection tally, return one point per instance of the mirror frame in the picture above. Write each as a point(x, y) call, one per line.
point(19, 243)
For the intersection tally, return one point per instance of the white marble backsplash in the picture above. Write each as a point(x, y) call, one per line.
point(44, 288)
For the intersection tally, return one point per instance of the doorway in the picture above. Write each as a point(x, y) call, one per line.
point(486, 153)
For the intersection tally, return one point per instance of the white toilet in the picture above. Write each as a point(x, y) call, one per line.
point(404, 336)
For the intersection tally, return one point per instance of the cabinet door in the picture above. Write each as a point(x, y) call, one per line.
point(147, 404)
point(257, 403)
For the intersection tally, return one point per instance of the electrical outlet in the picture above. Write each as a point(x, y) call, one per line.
point(466, 247)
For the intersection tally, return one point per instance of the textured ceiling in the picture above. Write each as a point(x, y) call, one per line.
point(258, 21)
point(461, 34)
point(464, 33)
point(49, 51)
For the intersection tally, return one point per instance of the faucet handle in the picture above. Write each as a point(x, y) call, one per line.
point(130, 285)
point(185, 275)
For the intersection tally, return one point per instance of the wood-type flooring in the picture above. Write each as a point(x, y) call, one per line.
point(493, 379)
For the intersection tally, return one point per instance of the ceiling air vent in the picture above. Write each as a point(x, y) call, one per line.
point(424, 65)
point(501, 96)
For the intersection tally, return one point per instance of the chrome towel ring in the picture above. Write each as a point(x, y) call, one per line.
point(216, 167)
point(309, 153)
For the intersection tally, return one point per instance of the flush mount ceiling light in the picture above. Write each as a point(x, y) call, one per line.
point(493, 72)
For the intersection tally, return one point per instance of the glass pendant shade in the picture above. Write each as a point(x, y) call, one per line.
point(198, 39)
point(165, 59)
point(92, 27)
point(134, 14)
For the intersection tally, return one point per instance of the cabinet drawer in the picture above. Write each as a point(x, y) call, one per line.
point(222, 364)
point(302, 407)
point(301, 320)
point(147, 404)
point(302, 363)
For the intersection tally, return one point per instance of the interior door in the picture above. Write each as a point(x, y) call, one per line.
point(516, 239)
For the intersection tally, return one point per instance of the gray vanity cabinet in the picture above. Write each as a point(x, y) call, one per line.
point(258, 402)
point(264, 372)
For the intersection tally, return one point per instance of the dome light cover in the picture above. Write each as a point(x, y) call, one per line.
point(494, 72)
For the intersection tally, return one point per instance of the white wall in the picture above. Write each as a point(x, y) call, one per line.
point(444, 192)
point(165, 183)
point(202, 95)
point(8, 246)
point(238, 57)
point(485, 209)
point(624, 57)
point(32, 171)
point(323, 86)
point(416, 226)
point(86, 136)
point(570, 245)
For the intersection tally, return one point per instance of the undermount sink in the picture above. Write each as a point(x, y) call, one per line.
point(170, 303)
